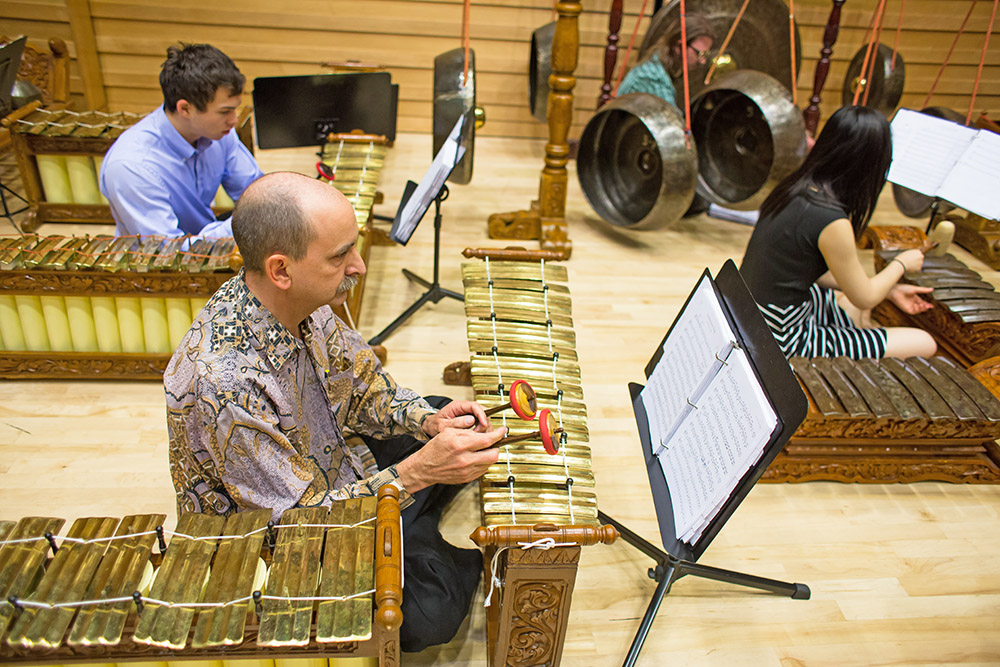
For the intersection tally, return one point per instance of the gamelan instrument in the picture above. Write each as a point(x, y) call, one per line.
point(324, 582)
point(638, 169)
point(352, 162)
point(636, 166)
point(760, 41)
point(965, 319)
point(749, 135)
point(538, 507)
point(454, 97)
point(891, 421)
point(59, 155)
point(539, 69)
point(102, 307)
point(884, 88)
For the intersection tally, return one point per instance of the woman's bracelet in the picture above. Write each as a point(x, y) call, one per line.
point(897, 259)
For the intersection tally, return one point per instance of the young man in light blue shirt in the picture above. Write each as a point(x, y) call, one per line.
point(161, 175)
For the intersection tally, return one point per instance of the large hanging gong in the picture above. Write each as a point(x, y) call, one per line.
point(910, 202)
point(634, 165)
point(749, 137)
point(451, 101)
point(760, 41)
point(539, 69)
point(886, 84)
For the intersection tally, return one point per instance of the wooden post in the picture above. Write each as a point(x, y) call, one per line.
point(611, 51)
point(547, 219)
point(811, 113)
point(86, 53)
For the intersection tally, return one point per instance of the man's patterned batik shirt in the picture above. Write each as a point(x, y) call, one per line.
point(257, 417)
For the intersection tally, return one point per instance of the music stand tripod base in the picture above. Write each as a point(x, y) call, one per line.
point(669, 569)
point(434, 291)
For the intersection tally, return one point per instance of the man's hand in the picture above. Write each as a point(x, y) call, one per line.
point(454, 456)
point(457, 414)
point(907, 298)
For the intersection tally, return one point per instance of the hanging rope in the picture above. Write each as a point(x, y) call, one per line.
point(628, 51)
point(465, 40)
point(791, 42)
point(687, 83)
point(875, 49)
point(982, 59)
point(899, 28)
point(725, 42)
point(944, 63)
point(868, 53)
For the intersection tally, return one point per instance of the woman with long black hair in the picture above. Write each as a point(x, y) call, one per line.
point(802, 265)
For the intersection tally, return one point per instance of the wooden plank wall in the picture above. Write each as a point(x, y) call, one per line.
point(271, 39)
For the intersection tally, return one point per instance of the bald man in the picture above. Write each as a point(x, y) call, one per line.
point(266, 388)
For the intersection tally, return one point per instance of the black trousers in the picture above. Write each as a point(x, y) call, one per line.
point(439, 579)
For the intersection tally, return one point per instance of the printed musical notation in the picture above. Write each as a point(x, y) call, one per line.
point(940, 158)
point(708, 416)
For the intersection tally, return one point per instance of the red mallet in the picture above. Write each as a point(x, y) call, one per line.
point(324, 171)
point(547, 430)
point(523, 401)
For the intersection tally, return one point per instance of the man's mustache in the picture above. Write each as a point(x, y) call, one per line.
point(348, 284)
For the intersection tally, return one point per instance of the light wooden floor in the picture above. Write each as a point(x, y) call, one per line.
point(900, 575)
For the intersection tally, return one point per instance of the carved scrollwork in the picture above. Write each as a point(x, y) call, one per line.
point(535, 624)
point(80, 283)
point(789, 469)
point(41, 365)
point(522, 225)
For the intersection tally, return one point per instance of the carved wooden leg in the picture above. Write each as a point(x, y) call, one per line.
point(551, 211)
point(811, 113)
point(611, 51)
point(458, 373)
point(31, 221)
point(527, 625)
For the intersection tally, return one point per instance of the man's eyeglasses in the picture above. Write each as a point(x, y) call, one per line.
point(700, 56)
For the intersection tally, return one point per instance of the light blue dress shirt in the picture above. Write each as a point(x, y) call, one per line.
point(159, 184)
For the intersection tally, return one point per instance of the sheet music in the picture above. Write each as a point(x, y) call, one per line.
point(689, 349)
point(973, 182)
point(940, 158)
point(724, 435)
point(447, 157)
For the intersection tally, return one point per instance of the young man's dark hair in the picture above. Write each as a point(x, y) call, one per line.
point(193, 72)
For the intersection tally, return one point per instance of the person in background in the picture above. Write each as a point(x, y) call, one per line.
point(161, 175)
point(802, 264)
point(654, 74)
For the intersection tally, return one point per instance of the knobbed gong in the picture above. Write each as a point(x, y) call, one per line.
point(886, 84)
point(749, 136)
point(760, 41)
point(539, 69)
point(634, 164)
point(451, 101)
point(911, 203)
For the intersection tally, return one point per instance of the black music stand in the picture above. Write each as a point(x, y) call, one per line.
point(10, 61)
point(412, 207)
point(775, 378)
point(292, 111)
